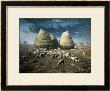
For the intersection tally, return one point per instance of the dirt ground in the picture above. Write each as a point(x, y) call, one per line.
point(29, 63)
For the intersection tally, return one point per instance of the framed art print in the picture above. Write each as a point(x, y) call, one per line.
point(55, 45)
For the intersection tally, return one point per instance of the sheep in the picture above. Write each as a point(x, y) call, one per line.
point(57, 55)
point(60, 55)
point(60, 62)
point(84, 53)
point(72, 49)
point(58, 52)
point(45, 51)
point(75, 59)
point(63, 52)
point(67, 54)
point(34, 52)
point(63, 55)
point(42, 54)
point(37, 56)
point(53, 56)
point(48, 53)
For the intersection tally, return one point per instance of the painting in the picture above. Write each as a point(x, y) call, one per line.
point(55, 45)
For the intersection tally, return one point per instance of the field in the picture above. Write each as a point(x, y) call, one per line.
point(50, 60)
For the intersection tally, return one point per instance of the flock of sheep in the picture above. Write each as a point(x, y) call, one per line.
point(61, 55)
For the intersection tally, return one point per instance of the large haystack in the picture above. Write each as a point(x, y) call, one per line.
point(43, 40)
point(66, 41)
point(55, 43)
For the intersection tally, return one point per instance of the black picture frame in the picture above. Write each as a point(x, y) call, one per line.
point(4, 4)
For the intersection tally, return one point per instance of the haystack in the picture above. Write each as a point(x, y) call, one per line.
point(55, 43)
point(66, 41)
point(43, 40)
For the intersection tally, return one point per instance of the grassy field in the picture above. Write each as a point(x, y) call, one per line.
point(29, 63)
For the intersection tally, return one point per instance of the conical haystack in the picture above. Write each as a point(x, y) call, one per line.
point(43, 40)
point(54, 41)
point(66, 41)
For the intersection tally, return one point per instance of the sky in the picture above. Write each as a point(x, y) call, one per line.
point(79, 28)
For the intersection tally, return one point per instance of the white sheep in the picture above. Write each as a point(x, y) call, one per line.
point(63, 52)
point(50, 51)
point(84, 53)
point(75, 59)
point(67, 54)
point(72, 49)
point(58, 52)
point(60, 62)
point(34, 52)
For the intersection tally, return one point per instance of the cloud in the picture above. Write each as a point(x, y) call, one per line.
point(57, 20)
point(77, 32)
point(26, 31)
